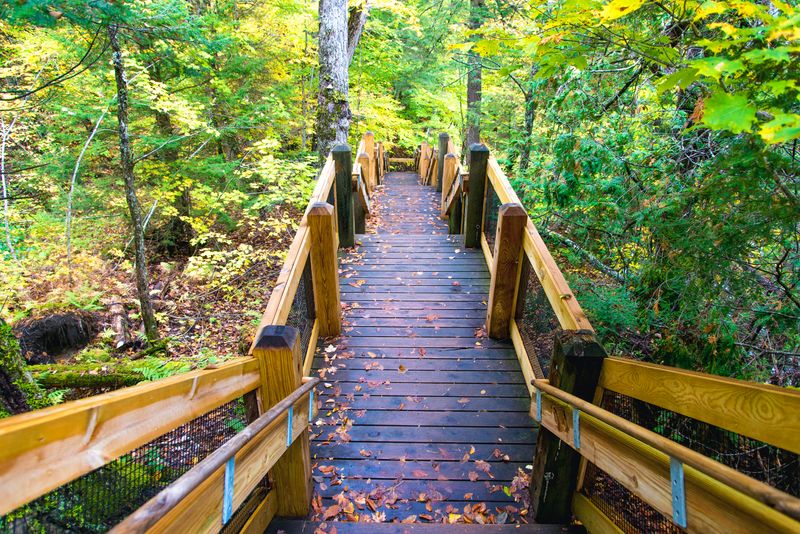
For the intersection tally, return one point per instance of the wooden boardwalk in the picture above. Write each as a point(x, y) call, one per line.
point(420, 410)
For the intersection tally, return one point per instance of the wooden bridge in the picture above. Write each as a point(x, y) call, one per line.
point(415, 300)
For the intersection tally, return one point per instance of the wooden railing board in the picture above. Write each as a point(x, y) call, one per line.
point(280, 300)
point(760, 411)
point(718, 498)
point(44, 449)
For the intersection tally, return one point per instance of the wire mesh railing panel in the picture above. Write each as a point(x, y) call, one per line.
point(102, 498)
point(627, 511)
point(302, 312)
point(774, 466)
point(537, 323)
point(491, 209)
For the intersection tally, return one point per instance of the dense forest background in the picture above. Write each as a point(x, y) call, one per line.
point(654, 144)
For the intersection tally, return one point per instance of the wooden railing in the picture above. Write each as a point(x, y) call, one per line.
point(44, 450)
point(691, 491)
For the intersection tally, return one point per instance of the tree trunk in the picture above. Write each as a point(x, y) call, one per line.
point(355, 27)
point(126, 164)
point(474, 78)
point(333, 109)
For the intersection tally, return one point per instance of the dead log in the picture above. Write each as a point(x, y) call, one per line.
point(91, 376)
point(120, 325)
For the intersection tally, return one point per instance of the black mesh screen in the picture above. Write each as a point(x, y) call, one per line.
point(630, 513)
point(302, 312)
point(491, 207)
point(99, 500)
point(536, 320)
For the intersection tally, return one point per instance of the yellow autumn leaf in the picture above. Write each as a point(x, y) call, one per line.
point(619, 8)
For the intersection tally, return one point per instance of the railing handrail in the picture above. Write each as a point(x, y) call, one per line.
point(167, 499)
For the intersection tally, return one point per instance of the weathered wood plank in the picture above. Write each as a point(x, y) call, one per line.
point(412, 451)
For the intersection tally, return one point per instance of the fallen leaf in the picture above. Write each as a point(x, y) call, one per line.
point(331, 512)
point(365, 453)
point(473, 476)
point(467, 496)
point(403, 369)
point(463, 400)
point(418, 473)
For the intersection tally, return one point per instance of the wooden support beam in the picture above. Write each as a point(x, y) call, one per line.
point(369, 148)
point(444, 141)
point(505, 269)
point(575, 368)
point(281, 363)
point(479, 158)
point(343, 166)
point(363, 161)
point(450, 168)
point(324, 269)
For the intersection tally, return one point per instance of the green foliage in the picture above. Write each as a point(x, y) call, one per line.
point(156, 368)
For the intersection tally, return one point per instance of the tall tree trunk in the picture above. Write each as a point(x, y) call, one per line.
point(355, 27)
point(474, 78)
point(126, 165)
point(333, 109)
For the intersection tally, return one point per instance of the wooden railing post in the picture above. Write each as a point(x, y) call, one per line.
point(444, 141)
point(324, 269)
point(423, 159)
point(369, 148)
point(380, 162)
point(454, 223)
point(479, 158)
point(363, 160)
point(448, 176)
point(505, 269)
point(280, 361)
point(575, 368)
point(343, 177)
point(359, 214)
